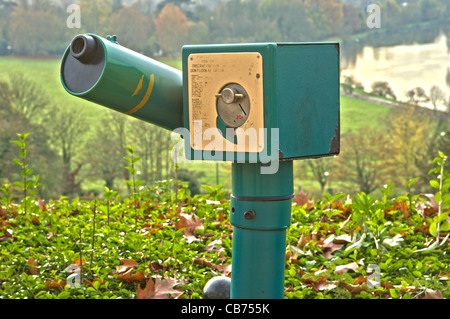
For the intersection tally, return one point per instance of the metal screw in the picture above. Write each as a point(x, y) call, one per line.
point(250, 214)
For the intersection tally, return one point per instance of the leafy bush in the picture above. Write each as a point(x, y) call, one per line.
point(162, 243)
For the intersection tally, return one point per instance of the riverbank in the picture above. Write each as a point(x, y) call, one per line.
point(365, 96)
point(384, 32)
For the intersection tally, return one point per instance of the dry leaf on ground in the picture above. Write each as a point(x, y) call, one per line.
point(344, 268)
point(32, 266)
point(190, 224)
point(159, 289)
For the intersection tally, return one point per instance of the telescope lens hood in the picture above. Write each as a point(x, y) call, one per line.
point(83, 48)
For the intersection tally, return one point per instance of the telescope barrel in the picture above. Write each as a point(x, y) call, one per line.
point(104, 72)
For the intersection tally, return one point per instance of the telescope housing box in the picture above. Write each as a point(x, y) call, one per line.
point(261, 102)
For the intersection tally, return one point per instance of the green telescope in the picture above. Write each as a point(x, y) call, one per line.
point(250, 104)
point(102, 71)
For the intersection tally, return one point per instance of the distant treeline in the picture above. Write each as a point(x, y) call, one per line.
point(44, 27)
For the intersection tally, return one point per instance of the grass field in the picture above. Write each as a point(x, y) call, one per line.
point(355, 113)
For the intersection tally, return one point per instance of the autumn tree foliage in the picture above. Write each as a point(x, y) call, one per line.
point(361, 161)
point(171, 28)
point(95, 16)
point(132, 27)
point(408, 136)
point(326, 15)
point(33, 32)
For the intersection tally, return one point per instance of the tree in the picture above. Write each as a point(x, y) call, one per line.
point(104, 154)
point(197, 32)
point(26, 32)
point(282, 20)
point(132, 27)
point(408, 135)
point(437, 96)
point(326, 16)
point(417, 95)
point(320, 169)
point(361, 161)
point(350, 83)
point(382, 88)
point(237, 21)
point(146, 138)
point(171, 28)
point(13, 121)
point(177, 3)
point(430, 9)
point(68, 127)
point(437, 141)
point(391, 14)
point(351, 21)
point(26, 96)
point(95, 16)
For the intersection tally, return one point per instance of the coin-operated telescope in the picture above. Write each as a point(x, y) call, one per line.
point(259, 106)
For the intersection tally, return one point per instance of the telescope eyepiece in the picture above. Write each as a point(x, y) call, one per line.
point(83, 48)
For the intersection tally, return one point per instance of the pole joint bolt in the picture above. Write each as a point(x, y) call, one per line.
point(250, 214)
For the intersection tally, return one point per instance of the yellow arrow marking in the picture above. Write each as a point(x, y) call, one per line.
point(145, 98)
point(139, 86)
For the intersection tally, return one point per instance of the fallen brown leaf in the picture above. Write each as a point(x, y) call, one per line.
point(157, 267)
point(342, 239)
point(57, 283)
point(190, 224)
point(222, 218)
point(76, 261)
point(302, 199)
point(42, 205)
point(159, 289)
point(351, 289)
point(35, 221)
point(226, 269)
point(428, 209)
point(303, 241)
point(204, 262)
point(212, 246)
point(3, 212)
point(131, 276)
point(126, 265)
point(344, 268)
point(433, 294)
point(360, 280)
point(32, 266)
point(394, 241)
point(328, 246)
point(401, 206)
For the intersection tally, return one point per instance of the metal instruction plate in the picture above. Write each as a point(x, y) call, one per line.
point(208, 74)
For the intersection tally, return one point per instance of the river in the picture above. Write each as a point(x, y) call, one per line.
point(405, 60)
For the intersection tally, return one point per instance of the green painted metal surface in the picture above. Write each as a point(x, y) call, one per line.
point(259, 239)
point(258, 264)
point(307, 99)
point(247, 180)
point(125, 81)
point(301, 99)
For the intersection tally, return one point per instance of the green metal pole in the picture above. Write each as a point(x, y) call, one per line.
point(260, 214)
